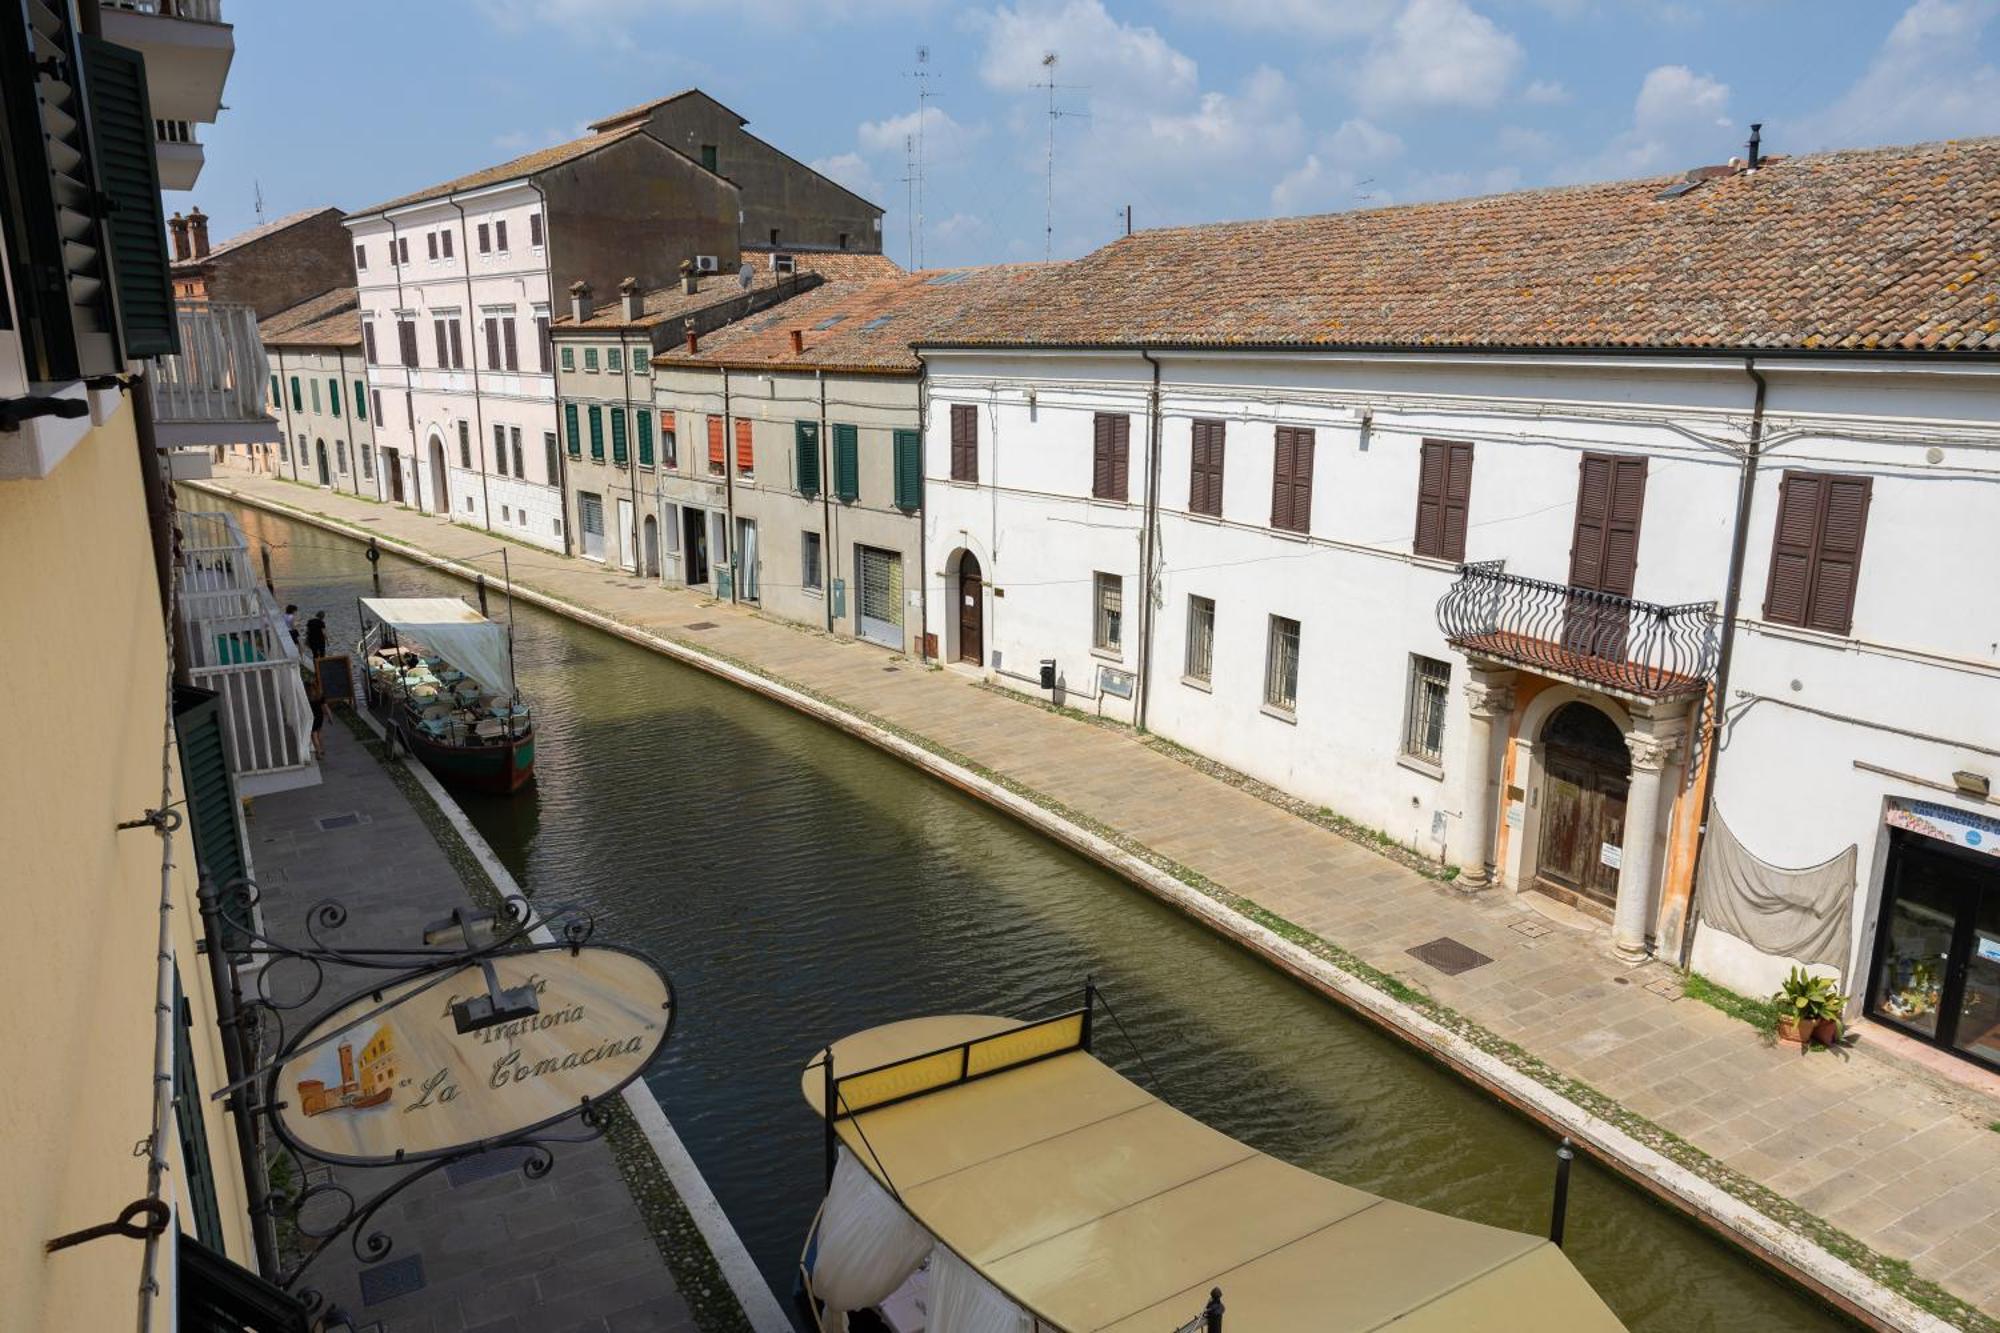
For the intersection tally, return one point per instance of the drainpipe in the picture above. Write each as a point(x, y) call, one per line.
point(1148, 542)
point(409, 386)
point(1732, 597)
point(478, 404)
point(561, 480)
point(631, 452)
point(825, 505)
point(923, 516)
point(729, 489)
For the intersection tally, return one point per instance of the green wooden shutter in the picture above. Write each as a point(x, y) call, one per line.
point(569, 358)
point(645, 437)
point(121, 127)
point(805, 443)
point(847, 462)
point(277, 393)
point(211, 795)
point(575, 435)
point(333, 396)
point(198, 1170)
point(617, 435)
point(298, 399)
point(909, 471)
point(597, 433)
point(360, 402)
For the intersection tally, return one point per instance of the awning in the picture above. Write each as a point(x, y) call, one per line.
point(454, 631)
point(1096, 1206)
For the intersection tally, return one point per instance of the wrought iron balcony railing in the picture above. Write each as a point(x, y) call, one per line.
point(213, 392)
point(1598, 638)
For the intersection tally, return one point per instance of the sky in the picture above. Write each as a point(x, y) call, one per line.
point(1183, 110)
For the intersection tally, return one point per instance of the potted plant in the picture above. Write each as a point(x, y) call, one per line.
point(1809, 1008)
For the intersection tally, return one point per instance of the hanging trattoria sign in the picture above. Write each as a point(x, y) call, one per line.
point(438, 1063)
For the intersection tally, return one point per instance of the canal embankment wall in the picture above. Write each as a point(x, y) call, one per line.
point(1843, 1270)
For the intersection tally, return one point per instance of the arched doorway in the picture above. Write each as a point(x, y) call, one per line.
point(319, 456)
point(971, 603)
point(649, 544)
point(1585, 775)
point(440, 493)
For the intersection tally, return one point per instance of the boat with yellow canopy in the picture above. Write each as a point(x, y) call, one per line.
point(993, 1176)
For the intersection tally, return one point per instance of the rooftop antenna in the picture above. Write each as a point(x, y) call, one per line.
point(922, 74)
point(259, 188)
point(1055, 114)
point(909, 193)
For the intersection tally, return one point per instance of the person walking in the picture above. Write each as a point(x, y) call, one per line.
point(316, 700)
point(292, 622)
point(316, 635)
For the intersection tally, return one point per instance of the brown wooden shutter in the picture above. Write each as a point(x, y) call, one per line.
point(964, 442)
point(1291, 480)
point(368, 342)
point(431, 243)
point(1433, 465)
point(447, 244)
point(1837, 564)
point(1100, 456)
point(1610, 499)
point(507, 339)
point(500, 234)
point(1110, 477)
point(492, 343)
point(542, 339)
point(443, 342)
point(1457, 500)
point(1205, 470)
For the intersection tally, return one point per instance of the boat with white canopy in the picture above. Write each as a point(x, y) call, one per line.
point(993, 1176)
point(441, 677)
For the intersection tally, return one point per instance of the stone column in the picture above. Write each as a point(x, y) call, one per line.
point(1650, 755)
point(1490, 695)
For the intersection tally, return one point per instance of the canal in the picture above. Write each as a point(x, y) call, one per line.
point(799, 885)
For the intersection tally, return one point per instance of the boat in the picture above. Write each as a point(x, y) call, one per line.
point(986, 1175)
point(440, 676)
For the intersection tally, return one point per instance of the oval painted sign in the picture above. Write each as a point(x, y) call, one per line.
point(406, 1083)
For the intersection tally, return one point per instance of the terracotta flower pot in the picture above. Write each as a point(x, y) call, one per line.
point(1827, 1032)
point(1794, 1029)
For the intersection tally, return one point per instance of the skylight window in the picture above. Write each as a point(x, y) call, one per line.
point(829, 321)
point(945, 279)
point(875, 323)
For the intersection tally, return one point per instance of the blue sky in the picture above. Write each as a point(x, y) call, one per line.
point(1188, 110)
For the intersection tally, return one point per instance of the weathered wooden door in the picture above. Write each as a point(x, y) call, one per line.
point(971, 641)
point(1604, 553)
point(1584, 782)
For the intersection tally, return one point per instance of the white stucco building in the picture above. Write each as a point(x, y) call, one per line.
point(1421, 514)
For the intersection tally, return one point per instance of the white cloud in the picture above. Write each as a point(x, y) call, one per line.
point(1462, 184)
point(1438, 53)
point(1113, 60)
point(1361, 142)
point(1331, 19)
point(1927, 82)
point(1674, 96)
point(1545, 92)
point(944, 138)
point(960, 227)
point(1314, 187)
point(851, 170)
point(1678, 121)
point(1520, 141)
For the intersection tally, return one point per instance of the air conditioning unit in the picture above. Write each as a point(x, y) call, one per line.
point(784, 265)
point(706, 264)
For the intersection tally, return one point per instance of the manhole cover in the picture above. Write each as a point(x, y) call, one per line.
point(398, 1277)
point(332, 822)
point(701, 624)
point(1448, 956)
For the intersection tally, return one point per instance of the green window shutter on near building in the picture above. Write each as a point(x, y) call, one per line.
point(333, 395)
point(298, 399)
point(360, 403)
point(618, 436)
point(805, 442)
point(847, 462)
point(597, 433)
point(645, 437)
point(575, 435)
point(909, 471)
point(135, 230)
point(211, 794)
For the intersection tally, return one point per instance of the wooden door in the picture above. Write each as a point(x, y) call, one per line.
point(1604, 553)
point(1585, 774)
point(971, 641)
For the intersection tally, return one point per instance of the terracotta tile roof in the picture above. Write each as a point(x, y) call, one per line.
point(633, 113)
point(865, 327)
point(718, 289)
point(243, 238)
point(331, 319)
point(528, 164)
point(1894, 248)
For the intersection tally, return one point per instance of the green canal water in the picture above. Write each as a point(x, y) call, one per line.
point(799, 885)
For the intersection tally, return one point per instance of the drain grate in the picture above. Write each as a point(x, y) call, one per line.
point(398, 1277)
point(700, 624)
point(485, 1166)
point(1448, 956)
point(1530, 927)
point(332, 822)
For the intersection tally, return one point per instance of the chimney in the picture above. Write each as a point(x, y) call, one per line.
point(579, 301)
point(197, 222)
point(1756, 144)
point(179, 227)
point(690, 279)
point(694, 343)
point(628, 297)
point(798, 341)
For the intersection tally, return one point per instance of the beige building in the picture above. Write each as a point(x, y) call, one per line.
point(319, 396)
point(796, 483)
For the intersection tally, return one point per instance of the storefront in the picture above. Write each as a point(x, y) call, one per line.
point(1936, 973)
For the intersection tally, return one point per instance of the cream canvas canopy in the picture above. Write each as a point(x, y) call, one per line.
point(1094, 1205)
point(455, 632)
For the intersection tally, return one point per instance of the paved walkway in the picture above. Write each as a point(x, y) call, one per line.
point(1884, 1151)
point(478, 1248)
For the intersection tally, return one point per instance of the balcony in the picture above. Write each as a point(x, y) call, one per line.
point(237, 645)
point(178, 154)
point(1580, 635)
point(188, 50)
point(213, 392)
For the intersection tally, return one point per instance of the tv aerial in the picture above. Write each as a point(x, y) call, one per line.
point(745, 276)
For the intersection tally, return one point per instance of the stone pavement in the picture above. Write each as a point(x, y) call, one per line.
point(1884, 1151)
point(478, 1247)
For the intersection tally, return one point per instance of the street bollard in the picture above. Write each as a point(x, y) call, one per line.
point(1564, 1156)
point(482, 594)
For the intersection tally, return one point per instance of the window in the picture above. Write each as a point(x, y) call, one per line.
point(431, 243)
point(843, 240)
point(746, 454)
point(507, 341)
point(642, 422)
point(1108, 626)
point(1281, 665)
point(909, 470)
point(597, 434)
point(1423, 711)
point(368, 342)
point(520, 468)
point(590, 359)
point(847, 463)
point(464, 446)
point(361, 258)
point(367, 462)
point(618, 446)
point(708, 158)
point(298, 400)
point(809, 569)
point(506, 513)
point(774, 235)
point(314, 386)
point(406, 340)
point(614, 359)
point(1292, 480)
point(375, 395)
point(446, 237)
point(340, 456)
point(500, 449)
point(500, 236)
point(277, 394)
point(575, 434)
point(443, 342)
point(1444, 485)
point(1205, 471)
point(1198, 662)
point(535, 230)
point(485, 239)
point(670, 453)
point(1112, 436)
point(360, 401)
point(551, 457)
point(333, 397)
point(569, 358)
point(542, 349)
point(964, 442)
point(1816, 550)
point(718, 454)
point(284, 453)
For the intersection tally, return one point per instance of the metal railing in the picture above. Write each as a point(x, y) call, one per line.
point(203, 11)
point(221, 374)
point(1599, 638)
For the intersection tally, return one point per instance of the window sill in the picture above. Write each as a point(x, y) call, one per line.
point(1420, 766)
point(1116, 656)
point(1285, 715)
point(1290, 534)
point(813, 592)
point(1196, 516)
point(965, 483)
point(1196, 683)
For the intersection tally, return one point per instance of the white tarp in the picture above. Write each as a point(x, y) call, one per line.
point(868, 1245)
point(1801, 913)
point(964, 1302)
point(454, 631)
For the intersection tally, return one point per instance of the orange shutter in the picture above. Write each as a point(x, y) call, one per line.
point(717, 455)
point(666, 422)
point(745, 459)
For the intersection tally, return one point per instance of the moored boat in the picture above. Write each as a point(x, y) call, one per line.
point(993, 1176)
point(440, 676)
